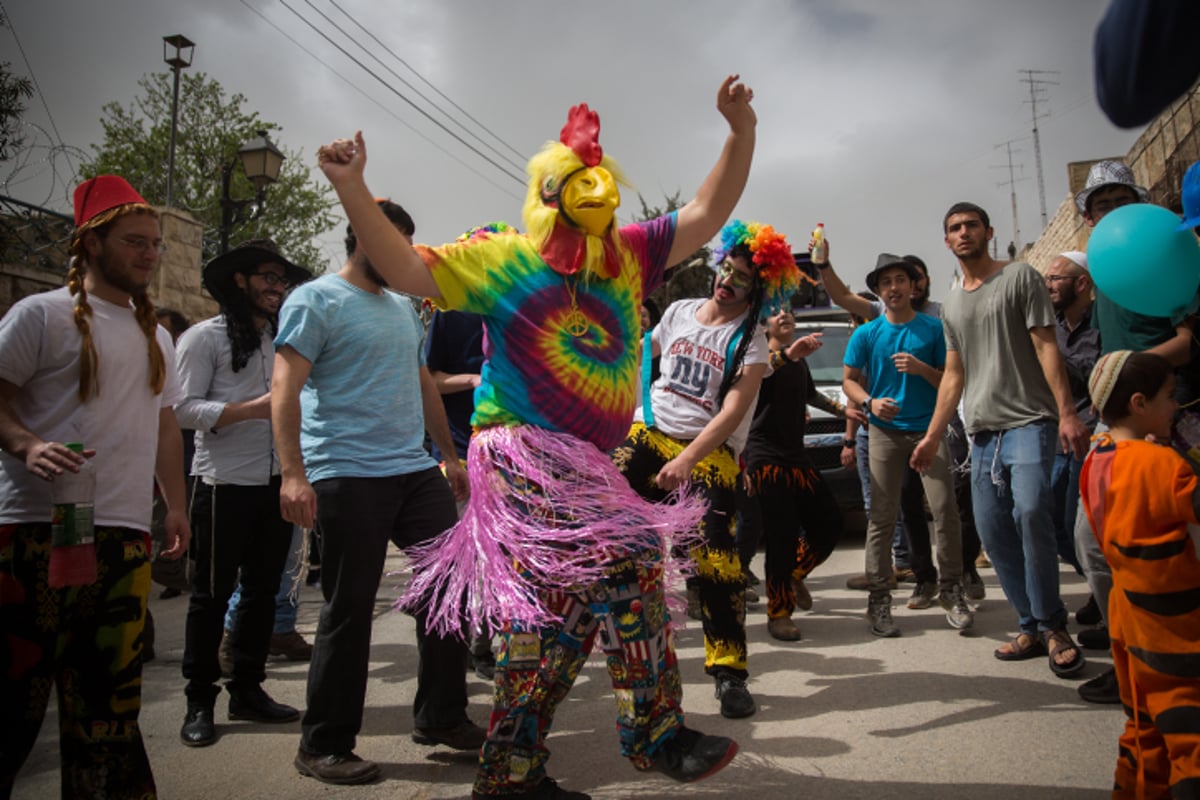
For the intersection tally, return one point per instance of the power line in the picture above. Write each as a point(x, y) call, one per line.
point(398, 93)
point(36, 85)
point(387, 110)
point(440, 93)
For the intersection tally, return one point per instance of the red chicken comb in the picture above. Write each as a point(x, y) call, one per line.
point(582, 134)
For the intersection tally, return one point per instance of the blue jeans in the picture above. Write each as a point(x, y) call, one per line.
point(286, 606)
point(1014, 506)
point(1064, 482)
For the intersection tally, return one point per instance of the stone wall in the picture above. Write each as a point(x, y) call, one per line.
point(1160, 156)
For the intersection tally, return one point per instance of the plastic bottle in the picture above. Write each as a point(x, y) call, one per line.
point(820, 248)
point(72, 525)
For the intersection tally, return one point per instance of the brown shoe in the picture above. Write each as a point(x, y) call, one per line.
point(290, 645)
point(339, 768)
point(783, 629)
point(905, 575)
point(803, 598)
point(225, 655)
point(860, 583)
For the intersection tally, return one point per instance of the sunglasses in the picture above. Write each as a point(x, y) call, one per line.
point(726, 273)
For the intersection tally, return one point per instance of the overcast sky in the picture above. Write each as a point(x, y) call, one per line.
point(873, 116)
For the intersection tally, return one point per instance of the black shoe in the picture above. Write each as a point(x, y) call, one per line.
point(466, 735)
point(254, 704)
point(1089, 612)
point(484, 666)
point(168, 593)
point(735, 698)
point(339, 768)
point(1094, 638)
point(198, 729)
point(690, 755)
point(1102, 688)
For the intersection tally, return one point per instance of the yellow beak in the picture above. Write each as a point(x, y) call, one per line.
point(591, 199)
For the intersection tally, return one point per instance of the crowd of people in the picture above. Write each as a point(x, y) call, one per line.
point(570, 487)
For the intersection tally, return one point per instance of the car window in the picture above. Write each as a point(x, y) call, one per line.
point(826, 363)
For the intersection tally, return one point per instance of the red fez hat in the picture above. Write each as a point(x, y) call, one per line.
point(100, 194)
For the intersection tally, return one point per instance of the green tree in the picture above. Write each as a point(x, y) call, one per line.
point(212, 126)
point(693, 277)
point(14, 91)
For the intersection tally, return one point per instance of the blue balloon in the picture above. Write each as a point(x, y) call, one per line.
point(1140, 260)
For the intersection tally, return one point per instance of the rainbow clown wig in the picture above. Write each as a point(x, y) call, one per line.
point(563, 241)
point(771, 255)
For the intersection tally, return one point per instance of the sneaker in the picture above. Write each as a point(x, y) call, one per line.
point(1089, 612)
point(922, 596)
point(973, 587)
point(982, 560)
point(957, 613)
point(225, 655)
point(861, 583)
point(484, 666)
point(290, 645)
point(690, 755)
point(693, 603)
point(804, 600)
point(879, 611)
point(751, 594)
point(1101, 689)
point(735, 698)
point(783, 629)
point(1094, 638)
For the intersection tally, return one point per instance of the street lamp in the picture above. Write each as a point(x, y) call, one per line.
point(261, 160)
point(180, 60)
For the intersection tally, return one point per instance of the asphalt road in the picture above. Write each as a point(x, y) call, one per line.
point(842, 715)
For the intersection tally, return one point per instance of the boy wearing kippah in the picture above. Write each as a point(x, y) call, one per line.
point(1141, 500)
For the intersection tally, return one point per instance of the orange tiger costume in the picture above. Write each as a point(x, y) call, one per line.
point(1139, 500)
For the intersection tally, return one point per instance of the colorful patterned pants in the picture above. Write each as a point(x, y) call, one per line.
point(85, 640)
point(718, 567)
point(536, 668)
point(802, 524)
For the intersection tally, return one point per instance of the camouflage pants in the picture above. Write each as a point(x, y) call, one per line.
point(87, 641)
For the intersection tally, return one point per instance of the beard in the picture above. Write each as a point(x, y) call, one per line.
point(372, 274)
point(110, 271)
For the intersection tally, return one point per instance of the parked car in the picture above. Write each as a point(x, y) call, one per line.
point(825, 432)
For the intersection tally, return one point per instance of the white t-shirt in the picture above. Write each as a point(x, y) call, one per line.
point(692, 369)
point(39, 353)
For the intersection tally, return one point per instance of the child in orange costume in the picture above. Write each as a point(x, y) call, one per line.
point(1141, 498)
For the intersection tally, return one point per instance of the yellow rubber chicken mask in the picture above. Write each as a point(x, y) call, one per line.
point(572, 200)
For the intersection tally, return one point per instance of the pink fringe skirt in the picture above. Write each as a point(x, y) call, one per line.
point(547, 512)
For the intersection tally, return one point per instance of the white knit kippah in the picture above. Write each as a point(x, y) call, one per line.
point(1104, 376)
point(1076, 257)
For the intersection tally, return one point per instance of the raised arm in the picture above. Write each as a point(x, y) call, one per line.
point(839, 293)
point(701, 219)
point(390, 253)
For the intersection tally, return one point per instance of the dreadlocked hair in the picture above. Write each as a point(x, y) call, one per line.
point(245, 338)
point(147, 319)
point(748, 329)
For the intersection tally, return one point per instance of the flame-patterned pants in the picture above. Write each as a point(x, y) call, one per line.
point(87, 642)
point(536, 668)
point(718, 567)
point(802, 524)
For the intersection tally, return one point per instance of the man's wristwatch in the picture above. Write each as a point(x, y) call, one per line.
point(867, 404)
point(851, 443)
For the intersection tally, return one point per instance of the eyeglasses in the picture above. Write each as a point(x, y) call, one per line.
point(1052, 279)
point(142, 243)
point(273, 279)
point(738, 280)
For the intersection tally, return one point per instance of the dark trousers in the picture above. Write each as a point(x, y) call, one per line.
point(357, 517)
point(802, 523)
point(235, 530)
point(86, 641)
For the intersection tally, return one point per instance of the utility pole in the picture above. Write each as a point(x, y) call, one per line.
point(1034, 89)
point(1012, 184)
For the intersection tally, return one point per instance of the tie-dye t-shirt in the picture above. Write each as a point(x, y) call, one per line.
point(537, 373)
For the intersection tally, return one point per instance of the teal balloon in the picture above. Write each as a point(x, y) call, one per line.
point(1140, 260)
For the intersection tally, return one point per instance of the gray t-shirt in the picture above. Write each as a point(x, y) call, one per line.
point(989, 327)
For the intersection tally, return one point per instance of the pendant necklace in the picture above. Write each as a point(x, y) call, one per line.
point(576, 323)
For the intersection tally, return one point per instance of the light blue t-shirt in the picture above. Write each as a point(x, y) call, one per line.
point(361, 412)
point(870, 350)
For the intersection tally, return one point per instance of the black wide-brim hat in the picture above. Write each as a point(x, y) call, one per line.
point(887, 261)
point(218, 273)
